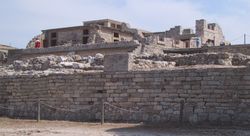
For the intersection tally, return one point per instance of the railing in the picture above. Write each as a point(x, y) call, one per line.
point(104, 105)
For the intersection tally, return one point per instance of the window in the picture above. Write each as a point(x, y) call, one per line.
point(45, 44)
point(211, 27)
point(53, 35)
point(53, 42)
point(187, 44)
point(85, 40)
point(210, 42)
point(101, 24)
point(119, 27)
point(85, 32)
point(116, 35)
point(161, 39)
point(177, 42)
point(116, 40)
point(113, 25)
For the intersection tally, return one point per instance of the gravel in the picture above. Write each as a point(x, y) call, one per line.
point(11, 127)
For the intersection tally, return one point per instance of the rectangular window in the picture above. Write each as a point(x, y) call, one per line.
point(116, 40)
point(101, 24)
point(119, 27)
point(113, 25)
point(85, 40)
point(53, 35)
point(85, 32)
point(116, 35)
point(45, 44)
point(53, 42)
point(187, 44)
point(161, 39)
point(177, 42)
point(211, 27)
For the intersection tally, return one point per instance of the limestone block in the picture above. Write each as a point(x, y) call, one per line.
point(117, 62)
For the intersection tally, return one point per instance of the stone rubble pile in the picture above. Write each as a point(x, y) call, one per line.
point(201, 59)
point(54, 64)
point(150, 64)
point(67, 62)
point(164, 61)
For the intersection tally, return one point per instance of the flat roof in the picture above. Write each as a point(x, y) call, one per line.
point(2, 46)
point(63, 28)
point(82, 27)
point(103, 20)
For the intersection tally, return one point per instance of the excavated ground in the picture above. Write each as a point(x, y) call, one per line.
point(12, 127)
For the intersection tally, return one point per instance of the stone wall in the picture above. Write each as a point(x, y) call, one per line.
point(108, 35)
point(62, 36)
point(244, 49)
point(74, 36)
point(3, 57)
point(211, 95)
point(209, 32)
point(100, 31)
point(83, 50)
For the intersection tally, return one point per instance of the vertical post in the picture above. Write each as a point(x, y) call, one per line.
point(102, 118)
point(38, 110)
point(181, 111)
point(245, 39)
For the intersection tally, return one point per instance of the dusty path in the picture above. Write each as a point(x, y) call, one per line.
point(10, 127)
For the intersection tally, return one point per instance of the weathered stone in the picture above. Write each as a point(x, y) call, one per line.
point(117, 62)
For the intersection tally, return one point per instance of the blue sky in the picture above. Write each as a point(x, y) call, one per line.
point(23, 19)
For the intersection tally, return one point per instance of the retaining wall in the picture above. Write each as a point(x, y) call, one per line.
point(213, 95)
point(244, 49)
point(81, 49)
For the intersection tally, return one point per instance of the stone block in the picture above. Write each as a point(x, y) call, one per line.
point(117, 62)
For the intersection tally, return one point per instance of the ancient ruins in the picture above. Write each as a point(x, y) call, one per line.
point(106, 31)
point(107, 69)
point(3, 52)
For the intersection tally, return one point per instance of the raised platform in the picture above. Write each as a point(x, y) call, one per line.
point(80, 49)
point(244, 49)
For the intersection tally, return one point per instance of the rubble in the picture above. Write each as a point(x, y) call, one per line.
point(54, 64)
point(52, 61)
point(75, 63)
point(165, 61)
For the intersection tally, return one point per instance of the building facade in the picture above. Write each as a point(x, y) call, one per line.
point(99, 31)
point(108, 31)
point(211, 34)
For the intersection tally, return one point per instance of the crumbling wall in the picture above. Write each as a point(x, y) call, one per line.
point(174, 32)
point(211, 34)
point(73, 36)
point(79, 49)
point(108, 35)
point(211, 95)
point(3, 58)
point(169, 61)
point(243, 49)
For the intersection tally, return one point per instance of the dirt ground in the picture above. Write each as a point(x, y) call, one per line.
point(11, 127)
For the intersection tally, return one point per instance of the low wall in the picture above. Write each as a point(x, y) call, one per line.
point(83, 50)
point(244, 49)
point(213, 95)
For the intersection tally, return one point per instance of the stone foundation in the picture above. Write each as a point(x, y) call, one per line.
point(211, 95)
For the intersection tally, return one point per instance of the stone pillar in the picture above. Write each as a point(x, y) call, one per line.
point(117, 62)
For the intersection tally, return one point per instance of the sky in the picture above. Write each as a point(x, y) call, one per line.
point(21, 20)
